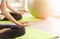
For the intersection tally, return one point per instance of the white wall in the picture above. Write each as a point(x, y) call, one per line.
point(56, 6)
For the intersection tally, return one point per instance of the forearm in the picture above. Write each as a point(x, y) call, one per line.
point(11, 8)
point(8, 16)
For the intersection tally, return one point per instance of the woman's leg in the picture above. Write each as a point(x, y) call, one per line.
point(15, 31)
point(15, 15)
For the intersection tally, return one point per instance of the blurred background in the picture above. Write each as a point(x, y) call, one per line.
point(51, 25)
point(18, 4)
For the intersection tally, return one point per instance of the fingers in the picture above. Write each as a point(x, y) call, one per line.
point(22, 11)
point(5, 29)
point(25, 24)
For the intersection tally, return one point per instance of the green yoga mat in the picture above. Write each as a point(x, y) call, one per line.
point(26, 18)
point(35, 34)
point(31, 33)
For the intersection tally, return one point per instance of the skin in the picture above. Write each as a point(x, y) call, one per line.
point(6, 14)
point(2, 17)
point(5, 5)
point(4, 30)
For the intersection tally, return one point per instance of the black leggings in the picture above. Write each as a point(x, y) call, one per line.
point(16, 31)
point(15, 15)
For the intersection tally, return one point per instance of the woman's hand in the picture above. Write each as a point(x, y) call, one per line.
point(3, 30)
point(24, 24)
point(22, 11)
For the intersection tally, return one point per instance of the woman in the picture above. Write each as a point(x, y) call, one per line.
point(4, 5)
point(10, 31)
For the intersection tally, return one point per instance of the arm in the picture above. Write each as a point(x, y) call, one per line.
point(6, 13)
point(8, 6)
point(12, 9)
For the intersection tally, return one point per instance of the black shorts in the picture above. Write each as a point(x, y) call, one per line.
point(16, 16)
point(16, 31)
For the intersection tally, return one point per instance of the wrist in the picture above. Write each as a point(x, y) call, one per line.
point(15, 22)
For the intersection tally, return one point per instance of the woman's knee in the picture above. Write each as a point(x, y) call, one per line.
point(16, 16)
point(16, 31)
